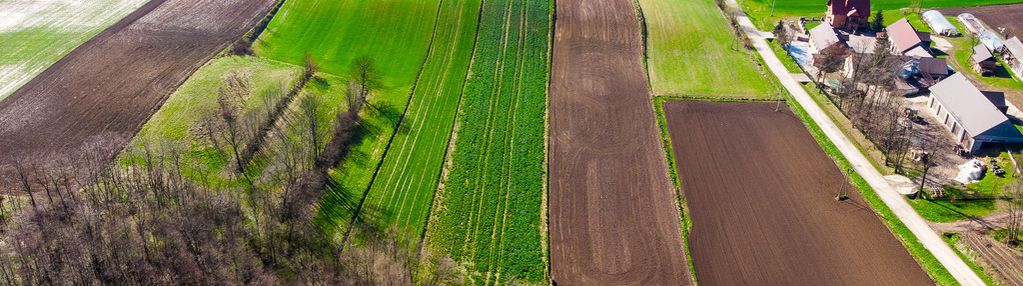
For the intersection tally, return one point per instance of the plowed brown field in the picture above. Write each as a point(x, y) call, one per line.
point(761, 196)
point(613, 217)
point(1008, 16)
point(98, 96)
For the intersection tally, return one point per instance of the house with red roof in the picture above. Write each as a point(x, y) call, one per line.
point(848, 14)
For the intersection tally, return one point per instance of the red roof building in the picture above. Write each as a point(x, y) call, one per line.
point(848, 14)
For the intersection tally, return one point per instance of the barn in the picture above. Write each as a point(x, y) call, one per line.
point(974, 121)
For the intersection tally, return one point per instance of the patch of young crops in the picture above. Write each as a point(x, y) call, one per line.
point(404, 186)
point(487, 214)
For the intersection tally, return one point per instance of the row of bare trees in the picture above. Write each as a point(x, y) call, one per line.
point(866, 95)
point(163, 219)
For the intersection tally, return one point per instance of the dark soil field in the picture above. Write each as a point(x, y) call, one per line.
point(761, 196)
point(98, 96)
point(613, 214)
point(1009, 17)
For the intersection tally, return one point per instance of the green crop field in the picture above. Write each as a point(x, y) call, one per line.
point(405, 184)
point(692, 52)
point(395, 34)
point(36, 34)
point(488, 212)
point(761, 15)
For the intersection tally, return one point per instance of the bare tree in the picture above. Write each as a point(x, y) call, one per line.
point(1015, 219)
point(829, 61)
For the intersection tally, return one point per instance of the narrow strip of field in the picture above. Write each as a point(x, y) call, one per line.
point(36, 34)
point(98, 96)
point(613, 217)
point(761, 196)
point(693, 52)
point(395, 35)
point(404, 186)
point(487, 213)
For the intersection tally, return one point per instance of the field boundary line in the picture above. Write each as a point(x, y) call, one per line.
point(897, 205)
point(545, 228)
point(412, 93)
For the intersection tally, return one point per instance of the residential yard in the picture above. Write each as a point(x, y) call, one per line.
point(36, 34)
point(692, 52)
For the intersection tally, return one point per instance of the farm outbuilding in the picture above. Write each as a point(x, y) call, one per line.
point(984, 62)
point(972, 24)
point(991, 40)
point(939, 24)
point(1013, 55)
point(970, 115)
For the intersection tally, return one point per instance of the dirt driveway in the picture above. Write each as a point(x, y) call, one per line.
point(97, 97)
point(613, 218)
point(761, 195)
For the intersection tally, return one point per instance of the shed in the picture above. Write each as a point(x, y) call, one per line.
point(939, 24)
point(969, 115)
point(1013, 56)
point(983, 61)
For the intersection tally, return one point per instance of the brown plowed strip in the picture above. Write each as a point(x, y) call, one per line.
point(761, 196)
point(98, 96)
point(613, 215)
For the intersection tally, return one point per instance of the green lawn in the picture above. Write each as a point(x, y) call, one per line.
point(692, 52)
point(396, 35)
point(760, 10)
point(488, 213)
point(405, 184)
point(36, 34)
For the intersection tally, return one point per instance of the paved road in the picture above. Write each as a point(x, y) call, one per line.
point(893, 199)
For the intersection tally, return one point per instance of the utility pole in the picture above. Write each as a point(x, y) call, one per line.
point(772, 7)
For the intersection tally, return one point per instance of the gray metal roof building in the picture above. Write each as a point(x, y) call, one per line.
point(970, 115)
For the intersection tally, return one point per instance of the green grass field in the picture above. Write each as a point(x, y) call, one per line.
point(692, 52)
point(760, 10)
point(395, 34)
point(488, 214)
point(407, 180)
point(36, 34)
